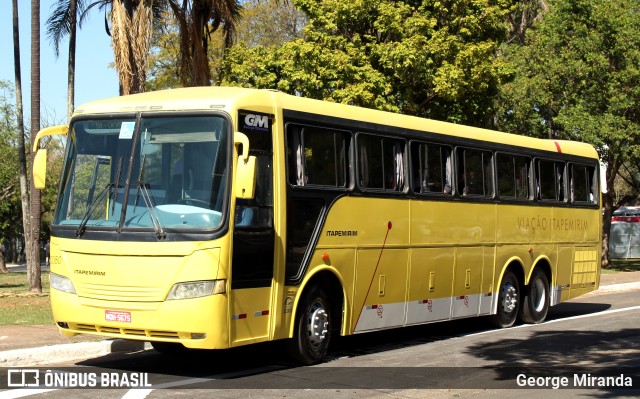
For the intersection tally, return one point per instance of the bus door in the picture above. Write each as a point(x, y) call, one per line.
point(253, 246)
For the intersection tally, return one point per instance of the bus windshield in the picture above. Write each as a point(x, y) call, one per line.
point(170, 172)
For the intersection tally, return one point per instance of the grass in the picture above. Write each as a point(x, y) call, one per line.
point(625, 265)
point(19, 306)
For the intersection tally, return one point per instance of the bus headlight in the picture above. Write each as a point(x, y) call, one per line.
point(196, 289)
point(61, 283)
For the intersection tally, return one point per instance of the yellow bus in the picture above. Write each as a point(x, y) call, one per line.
point(218, 217)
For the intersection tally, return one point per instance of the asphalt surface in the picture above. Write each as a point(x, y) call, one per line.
point(29, 346)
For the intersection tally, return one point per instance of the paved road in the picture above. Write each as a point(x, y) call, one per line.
point(592, 337)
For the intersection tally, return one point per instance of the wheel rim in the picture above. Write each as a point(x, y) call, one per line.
point(538, 295)
point(509, 297)
point(318, 324)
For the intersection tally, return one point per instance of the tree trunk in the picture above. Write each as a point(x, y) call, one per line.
point(33, 257)
point(613, 166)
point(607, 205)
point(71, 73)
point(3, 264)
point(22, 155)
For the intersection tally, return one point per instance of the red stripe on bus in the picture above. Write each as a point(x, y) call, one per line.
point(558, 146)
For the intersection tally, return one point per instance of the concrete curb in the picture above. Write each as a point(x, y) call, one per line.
point(616, 288)
point(67, 352)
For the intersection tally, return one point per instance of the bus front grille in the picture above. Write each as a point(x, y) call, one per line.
point(121, 293)
point(125, 333)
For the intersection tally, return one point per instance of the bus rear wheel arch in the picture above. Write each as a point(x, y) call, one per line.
point(535, 303)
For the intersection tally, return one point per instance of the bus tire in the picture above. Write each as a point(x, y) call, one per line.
point(312, 332)
point(535, 303)
point(508, 301)
point(170, 348)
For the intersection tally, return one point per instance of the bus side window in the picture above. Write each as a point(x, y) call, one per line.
point(318, 156)
point(431, 165)
point(549, 180)
point(583, 183)
point(513, 176)
point(381, 164)
point(475, 172)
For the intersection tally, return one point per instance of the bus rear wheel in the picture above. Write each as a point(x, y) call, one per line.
point(312, 333)
point(508, 301)
point(535, 304)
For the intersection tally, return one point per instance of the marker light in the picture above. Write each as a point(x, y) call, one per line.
point(61, 283)
point(196, 289)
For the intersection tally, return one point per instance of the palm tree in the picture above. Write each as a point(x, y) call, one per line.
point(62, 22)
point(128, 22)
point(33, 258)
point(197, 20)
point(22, 155)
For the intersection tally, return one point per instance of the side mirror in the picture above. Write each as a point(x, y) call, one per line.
point(40, 160)
point(245, 182)
point(40, 169)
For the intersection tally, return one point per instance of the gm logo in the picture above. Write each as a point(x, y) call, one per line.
point(257, 121)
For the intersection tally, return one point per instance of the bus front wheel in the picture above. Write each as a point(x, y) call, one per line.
point(312, 333)
point(508, 301)
point(535, 304)
point(170, 348)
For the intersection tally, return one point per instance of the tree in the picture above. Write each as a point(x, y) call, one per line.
point(430, 59)
point(22, 155)
point(197, 20)
point(577, 77)
point(33, 256)
point(62, 22)
point(261, 23)
point(130, 30)
point(269, 23)
point(9, 176)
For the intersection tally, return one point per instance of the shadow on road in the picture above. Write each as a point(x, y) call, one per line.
point(549, 353)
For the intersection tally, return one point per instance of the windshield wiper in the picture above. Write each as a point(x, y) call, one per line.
point(148, 202)
point(91, 208)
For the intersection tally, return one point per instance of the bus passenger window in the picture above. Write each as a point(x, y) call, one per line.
point(475, 172)
point(513, 176)
point(550, 180)
point(318, 156)
point(583, 183)
point(381, 163)
point(431, 164)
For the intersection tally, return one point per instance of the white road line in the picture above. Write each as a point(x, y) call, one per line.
point(137, 393)
point(143, 393)
point(584, 316)
point(22, 393)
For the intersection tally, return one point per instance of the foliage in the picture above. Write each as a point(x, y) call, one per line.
point(431, 59)
point(269, 23)
point(10, 207)
point(10, 211)
point(266, 23)
point(577, 77)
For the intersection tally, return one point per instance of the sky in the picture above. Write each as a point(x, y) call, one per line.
point(94, 78)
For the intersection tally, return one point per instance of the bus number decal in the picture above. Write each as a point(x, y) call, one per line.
point(429, 304)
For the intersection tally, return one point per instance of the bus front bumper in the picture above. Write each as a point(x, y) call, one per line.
point(195, 323)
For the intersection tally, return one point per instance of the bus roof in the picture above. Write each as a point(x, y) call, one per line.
point(230, 98)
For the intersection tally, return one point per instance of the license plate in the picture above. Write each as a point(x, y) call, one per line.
point(116, 315)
